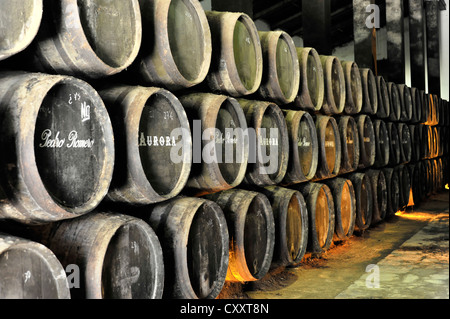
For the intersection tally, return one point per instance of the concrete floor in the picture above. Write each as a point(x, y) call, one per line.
point(405, 257)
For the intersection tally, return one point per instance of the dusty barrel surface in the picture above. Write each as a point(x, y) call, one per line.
point(268, 143)
point(194, 238)
point(330, 152)
point(379, 193)
point(370, 92)
point(220, 147)
point(364, 200)
point(95, 242)
point(291, 224)
point(176, 51)
point(395, 103)
point(88, 39)
point(382, 142)
point(236, 63)
point(153, 135)
point(394, 145)
point(251, 227)
point(57, 135)
point(406, 103)
point(21, 20)
point(281, 70)
point(311, 91)
point(344, 197)
point(384, 106)
point(366, 141)
point(29, 270)
point(321, 216)
point(334, 81)
point(353, 87)
point(393, 193)
point(304, 147)
point(349, 134)
point(405, 143)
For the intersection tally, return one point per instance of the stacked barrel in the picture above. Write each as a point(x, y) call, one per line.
point(159, 151)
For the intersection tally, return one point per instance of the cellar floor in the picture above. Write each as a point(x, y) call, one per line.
point(405, 257)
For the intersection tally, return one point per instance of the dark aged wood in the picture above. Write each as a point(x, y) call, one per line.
point(321, 216)
point(176, 51)
point(379, 194)
point(219, 161)
point(20, 21)
point(353, 88)
point(29, 270)
point(304, 147)
point(57, 146)
point(405, 143)
point(312, 86)
point(425, 102)
point(415, 131)
point(269, 149)
point(364, 200)
point(394, 144)
point(396, 106)
point(153, 161)
point(237, 62)
point(405, 102)
point(370, 92)
point(344, 198)
point(291, 224)
point(349, 135)
point(415, 174)
point(119, 256)
point(416, 106)
point(330, 148)
point(367, 147)
point(251, 228)
point(281, 71)
point(393, 193)
point(334, 81)
point(404, 185)
point(382, 143)
point(195, 241)
point(384, 104)
point(88, 39)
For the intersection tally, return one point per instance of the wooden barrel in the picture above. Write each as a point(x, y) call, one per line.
point(87, 40)
point(281, 70)
point(220, 148)
point(404, 185)
point(20, 24)
point(334, 80)
point(395, 103)
point(330, 149)
point(384, 104)
point(405, 143)
point(96, 242)
point(415, 142)
point(425, 110)
point(364, 200)
point(393, 192)
point(291, 225)
point(348, 131)
point(251, 227)
point(379, 194)
point(194, 237)
point(367, 145)
point(429, 177)
point(431, 114)
point(353, 88)
point(394, 145)
point(423, 179)
point(424, 140)
point(321, 216)
point(416, 106)
point(434, 148)
point(236, 63)
point(382, 142)
point(414, 173)
point(268, 143)
point(344, 198)
point(57, 145)
point(304, 147)
point(177, 49)
point(405, 102)
point(29, 270)
point(312, 87)
point(152, 130)
point(370, 92)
